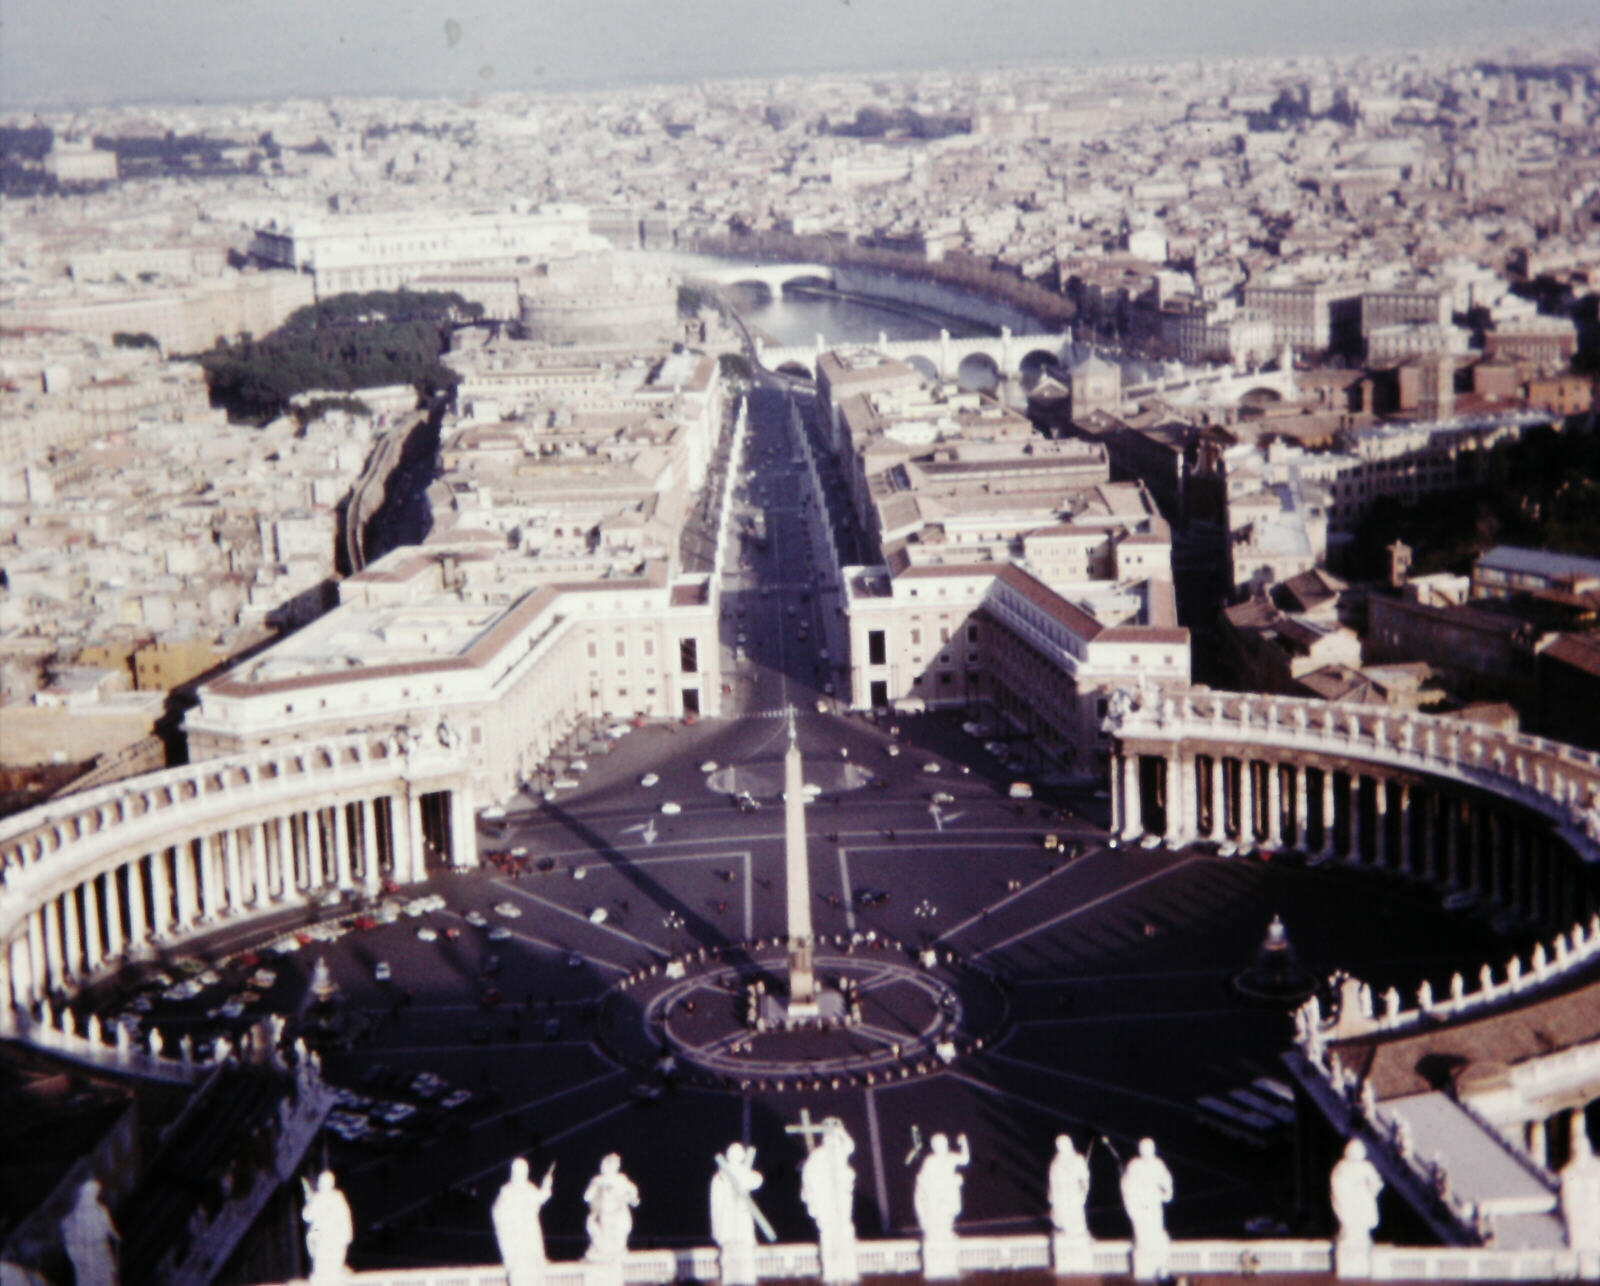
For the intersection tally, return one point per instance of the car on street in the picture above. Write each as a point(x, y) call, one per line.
point(492, 812)
point(931, 766)
point(892, 750)
point(942, 797)
point(710, 765)
point(746, 802)
point(871, 897)
point(650, 779)
point(510, 910)
point(578, 766)
point(671, 808)
point(476, 919)
point(499, 933)
point(427, 934)
point(380, 971)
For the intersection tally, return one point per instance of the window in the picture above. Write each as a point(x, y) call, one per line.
point(649, 647)
point(876, 652)
point(944, 634)
point(593, 650)
point(622, 647)
point(972, 634)
point(689, 658)
point(477, 734)
point(916, 638)
point(880, 689)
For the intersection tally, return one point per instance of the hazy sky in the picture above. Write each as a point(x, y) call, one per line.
point(99, 50)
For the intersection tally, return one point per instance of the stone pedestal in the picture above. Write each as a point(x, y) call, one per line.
point(737, 1265)
point(602, 1274)
point(1150, 1258)
point(1071, 1254)
point(1352, 1257)
point(940, 1260)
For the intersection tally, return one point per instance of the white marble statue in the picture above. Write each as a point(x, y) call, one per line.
point(937, 1196)
point(517, 1230)
point(611, 1197)
point(1580, 1198)
point(90, 1238)
point(1069, 1189)
point(733, 1209)
point(1354, 1186)
point(828, 1189)
point(1146, 1189)
point(329, 1228)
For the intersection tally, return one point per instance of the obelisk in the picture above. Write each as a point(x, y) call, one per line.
point(797, 880)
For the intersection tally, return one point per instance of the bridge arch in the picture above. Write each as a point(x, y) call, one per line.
point(978, 370)
point(796, 369)
point(1035, 363)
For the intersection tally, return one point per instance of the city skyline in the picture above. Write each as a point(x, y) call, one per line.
point(90, 54)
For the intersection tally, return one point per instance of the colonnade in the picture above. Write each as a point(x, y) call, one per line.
point(154, 859)
point(1453, 836)
point(1494, 816)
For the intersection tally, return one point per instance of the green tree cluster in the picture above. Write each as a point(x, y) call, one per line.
point(343, 343)
point(1542, 492)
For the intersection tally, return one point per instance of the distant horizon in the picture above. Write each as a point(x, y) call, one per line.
point(62, 55)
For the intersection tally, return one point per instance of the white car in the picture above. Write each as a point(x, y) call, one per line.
point(476, 919)
point(931, 766)
point(425, 934)
point(499, 933)
point(599, 915)
point(671, 808)
point(578, 766)
point(649, 779)
point(710, 765)
point(892, 750)
point(1151, 841)
point(380, 971)
point(492, 812)
point(510, 910)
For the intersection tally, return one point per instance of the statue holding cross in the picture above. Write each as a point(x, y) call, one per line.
point(828, 1188)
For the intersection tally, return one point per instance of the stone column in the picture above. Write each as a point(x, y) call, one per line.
point(184, 859)
point(1328, 815)
point(74, 932)
point(1274, 803)
point(370, 878)
point(93, 942)
point(1133, 803)
point(1247, 800)
point(1302, 807)
point(1380, 821)
point(232, 878)
point(113, 913)
point(160, 896)
point(283, 860)
point(1405, 828)
point(414, 837)
point(22, 971)
point(1353, 789)
point(1176, 828)
point(259, 836)
point(138, 930)
point(1219, 798)
point(54, 962)
point(400, 838)
point(339, 819)
point(206, 876)
point(37, 975)
point(316, 852)
point(463, 827)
